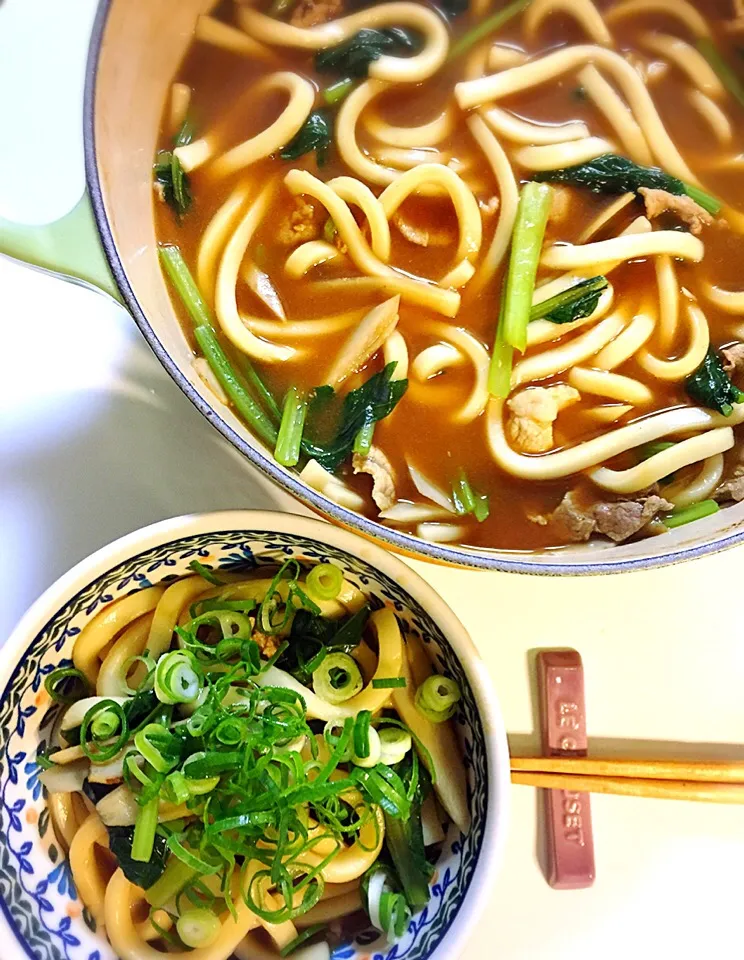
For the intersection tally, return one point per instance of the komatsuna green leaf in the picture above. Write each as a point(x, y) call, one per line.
point(352, 57)
point(575, 303)
point(373, 401)
point(172, 177)
point(615, 175)
point(711, 387)
point(316, 134)
point(141, 874)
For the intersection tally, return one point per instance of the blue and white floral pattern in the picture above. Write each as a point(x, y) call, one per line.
point(37, 895)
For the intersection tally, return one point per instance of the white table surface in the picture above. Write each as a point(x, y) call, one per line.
point(95, 440)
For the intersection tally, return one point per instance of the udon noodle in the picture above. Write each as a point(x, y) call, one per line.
point(234, 755)
point(385, 200)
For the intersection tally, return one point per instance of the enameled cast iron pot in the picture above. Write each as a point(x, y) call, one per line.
point(135, 51)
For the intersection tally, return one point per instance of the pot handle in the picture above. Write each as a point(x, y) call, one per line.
point(70, 247)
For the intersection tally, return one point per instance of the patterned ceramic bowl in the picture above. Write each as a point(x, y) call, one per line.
point(42, 917)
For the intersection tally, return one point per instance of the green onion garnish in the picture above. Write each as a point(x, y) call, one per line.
point(338, 678)
point(324, 581)
point(206, 573)
point(437, 698)
point(301, 938)
point(388, 683)
point(67, 685)
point(98, 752)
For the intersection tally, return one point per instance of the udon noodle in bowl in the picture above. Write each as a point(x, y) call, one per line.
point(244, 735)
point(472, 270)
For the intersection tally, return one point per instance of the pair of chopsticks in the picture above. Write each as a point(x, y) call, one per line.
point(664, 779)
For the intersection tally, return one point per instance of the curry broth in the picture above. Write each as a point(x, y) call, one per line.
point(421, 429)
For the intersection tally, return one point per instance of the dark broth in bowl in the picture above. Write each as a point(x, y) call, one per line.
point(537, 454)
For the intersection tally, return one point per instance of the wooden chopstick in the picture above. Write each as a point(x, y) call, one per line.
point(709, 792)
point(636, 769)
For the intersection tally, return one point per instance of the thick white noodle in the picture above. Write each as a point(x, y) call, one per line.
point(673, 243)
point(614, 386)
point(662, 464)
point(689, 60)
point(219, 34)
point(583, 11)
point(713, 115)
point(395, 350)
point(540, 366)
point(617, 113)
point(666, 280)
point(226, 306)
point(627, 344)
point(681, 10)
point(509, 196)
point(563, 463)
point(215, 236)
point(355, 192)
point(473, 93)
point(675, 370)
point(502, 57)
point(702, 485)
point(730, 301)
point(308, 255)
point(424, 135)
point(441, 532)
point(474, 350)
point(552, 156)
point(413, 69)
point(514, 128)
point(433, 360)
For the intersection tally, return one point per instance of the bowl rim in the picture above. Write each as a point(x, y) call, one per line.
point(163, 532)
point(405, 543)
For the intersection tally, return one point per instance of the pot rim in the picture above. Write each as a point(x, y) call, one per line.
point(410, 546)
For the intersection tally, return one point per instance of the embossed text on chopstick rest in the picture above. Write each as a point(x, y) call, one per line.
point(568, 813)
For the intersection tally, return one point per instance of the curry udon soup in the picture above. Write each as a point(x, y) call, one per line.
point(471, 269)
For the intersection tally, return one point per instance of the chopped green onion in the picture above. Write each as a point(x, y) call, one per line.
point(486, 27)
point(395, 914)
point(175, 877)
point(332, 734)
point(301, 938)
point(394, 745)
point(206, 573)
point(707, 46)
point(150, 742)
point(372, 753)
point(360, 736)
point(338, 678)
point(324, 581)
point(437, 698)
point(185, 285)
point(678, 518)
point(197, 864)
point(388, 683)
point(526, 245)
point(338, 91)
point(103, 753)
point(176, 788)
point(287, 450)
point(198, 928)
point(176, 680)
point(105, 725)
point(67, 685)
point(144, 831)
